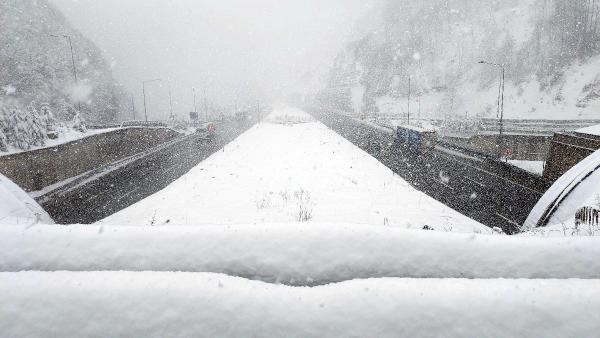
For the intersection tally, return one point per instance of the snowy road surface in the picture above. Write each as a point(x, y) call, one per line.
point(291, 168)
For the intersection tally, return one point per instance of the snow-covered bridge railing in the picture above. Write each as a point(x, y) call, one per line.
point(297, 254)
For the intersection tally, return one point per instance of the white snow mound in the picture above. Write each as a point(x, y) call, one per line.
point(16, 207)
point(297, 254)
point(149, 304)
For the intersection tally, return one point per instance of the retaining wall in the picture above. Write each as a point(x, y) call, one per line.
point(37, 169)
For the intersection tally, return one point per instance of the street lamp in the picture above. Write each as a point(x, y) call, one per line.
point(68, 38)
point(500, 99)
point(194, 91)
point(409, 79)
point(204, 100)
point(172, 116)
point(144, 92)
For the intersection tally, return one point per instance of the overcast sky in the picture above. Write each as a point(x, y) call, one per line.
point(234, 48)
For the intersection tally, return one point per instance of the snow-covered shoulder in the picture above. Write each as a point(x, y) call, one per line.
point(592, 130)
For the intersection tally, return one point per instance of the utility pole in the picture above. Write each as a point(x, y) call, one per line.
point(500, 103)
point(409, 100)
point(144, 92)
point(171, 101)
point(419, 100)
point(72, 57)
point(133, 107)
point(70, 41)
point(205, 105)
point(194, 91)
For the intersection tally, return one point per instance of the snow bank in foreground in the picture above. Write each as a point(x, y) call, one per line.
point(578, 187)
point(297, 254)
point(149, 304)
point(16, 207)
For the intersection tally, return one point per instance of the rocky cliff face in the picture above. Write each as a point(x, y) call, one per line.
point(36, 64)
point(550, 50)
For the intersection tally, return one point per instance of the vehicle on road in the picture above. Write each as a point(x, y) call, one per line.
point(207, 129)
point(418, 140)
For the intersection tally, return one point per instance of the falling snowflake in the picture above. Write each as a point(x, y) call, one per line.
point(445, 178)
point(9, 89)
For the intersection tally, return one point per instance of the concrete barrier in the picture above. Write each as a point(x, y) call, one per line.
point(566, 151)
point(37, 169)
point(523, 147)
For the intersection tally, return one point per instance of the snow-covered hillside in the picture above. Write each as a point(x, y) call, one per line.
point(549, 48)
point(36, 65)
point(291, 168)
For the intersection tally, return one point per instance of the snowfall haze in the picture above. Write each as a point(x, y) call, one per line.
point(317, 168)
point(238, 51)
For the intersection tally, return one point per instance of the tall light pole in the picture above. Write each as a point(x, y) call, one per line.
point(172, 116)
point(70, 41)
point(409, 99)
point(194, 91)
point(500, 101)
point(144, 92)
point(205, 105)
point(133, 107)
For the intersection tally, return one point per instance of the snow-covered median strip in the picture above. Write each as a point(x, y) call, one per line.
point(297, 254)
point(151, 304)
point(287, 169)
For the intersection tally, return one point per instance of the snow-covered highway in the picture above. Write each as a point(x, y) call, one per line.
point(291, 168)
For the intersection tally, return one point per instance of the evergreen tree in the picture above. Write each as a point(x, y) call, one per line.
point(4, 129)
point(19, 130)
point(48, 117)
point(36, 126)
point(79, 123)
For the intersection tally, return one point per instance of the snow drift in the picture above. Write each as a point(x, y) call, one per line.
point(296, 254)
point(149, 304)
point(578, 187)
point(16, 207)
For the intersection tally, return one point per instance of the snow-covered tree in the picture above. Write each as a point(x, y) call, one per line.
point(79, 123)
point(22, 129)
point(19, 133)
point(36, 126)
point(4, 128)
point(66, 110)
